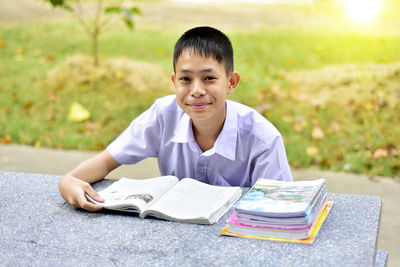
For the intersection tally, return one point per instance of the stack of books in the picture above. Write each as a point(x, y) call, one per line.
point(281, 211)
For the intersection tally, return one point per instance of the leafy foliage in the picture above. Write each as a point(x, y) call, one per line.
point(126, 13)
point(61, 3)
point(332, 114)
point(344, 118)
point(94, 29)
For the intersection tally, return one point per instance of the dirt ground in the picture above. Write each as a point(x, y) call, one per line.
point(27, 10)
point(179, 13)
point(223, 14)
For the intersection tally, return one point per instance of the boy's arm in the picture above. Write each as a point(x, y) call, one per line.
point(273, 163)
point(76, 183)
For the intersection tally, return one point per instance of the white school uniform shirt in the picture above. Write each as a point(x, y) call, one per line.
point(247, 148)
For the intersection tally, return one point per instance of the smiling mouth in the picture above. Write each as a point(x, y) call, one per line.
point(199, 106)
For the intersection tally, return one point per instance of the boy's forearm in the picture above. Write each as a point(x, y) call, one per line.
point(95, 168)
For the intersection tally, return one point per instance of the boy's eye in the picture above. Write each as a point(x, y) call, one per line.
point(184, 79)
point(210, 78)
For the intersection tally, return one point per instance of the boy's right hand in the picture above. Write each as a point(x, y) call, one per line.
point(73, 191)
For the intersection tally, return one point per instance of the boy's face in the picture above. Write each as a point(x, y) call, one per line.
point(201, 86)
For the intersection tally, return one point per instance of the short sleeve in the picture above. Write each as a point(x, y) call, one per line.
point(140, 140)
point(272, 163)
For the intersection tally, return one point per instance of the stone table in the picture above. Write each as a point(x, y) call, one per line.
point(38, 228)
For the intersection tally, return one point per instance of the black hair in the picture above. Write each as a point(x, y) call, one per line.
point(208, 42)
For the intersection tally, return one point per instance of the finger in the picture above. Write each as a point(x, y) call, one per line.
point(92, 193)
point(91, 207)
point(85, 204)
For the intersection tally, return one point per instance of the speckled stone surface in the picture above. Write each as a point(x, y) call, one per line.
point(381, 258)
point(38, 228)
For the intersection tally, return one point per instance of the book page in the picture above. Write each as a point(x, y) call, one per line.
point(195, 202)
point(131, 194)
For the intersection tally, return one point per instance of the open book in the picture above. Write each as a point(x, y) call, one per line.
point(166, 197)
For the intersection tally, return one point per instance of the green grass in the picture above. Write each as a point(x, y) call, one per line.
point(35, 113)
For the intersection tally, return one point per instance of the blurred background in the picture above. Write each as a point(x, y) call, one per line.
point(73, 74)
point(326, 73)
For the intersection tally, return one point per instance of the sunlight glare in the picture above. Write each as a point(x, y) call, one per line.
point(363, 10)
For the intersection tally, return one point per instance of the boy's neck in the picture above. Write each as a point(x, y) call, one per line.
point(206, 134)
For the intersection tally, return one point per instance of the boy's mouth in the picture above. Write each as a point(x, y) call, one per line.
point(199, 106)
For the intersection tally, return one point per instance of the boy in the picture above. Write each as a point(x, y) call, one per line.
point(196, 133)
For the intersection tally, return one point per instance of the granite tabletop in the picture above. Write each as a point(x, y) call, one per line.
point(38, 228)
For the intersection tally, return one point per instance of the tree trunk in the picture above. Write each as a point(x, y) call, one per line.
point(96, 32)
point(95, 48)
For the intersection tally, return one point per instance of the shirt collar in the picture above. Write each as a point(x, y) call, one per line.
point(226, 141)
point(225, 145)
point(184, 132)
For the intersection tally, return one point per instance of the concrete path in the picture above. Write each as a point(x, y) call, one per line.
point(39, 160)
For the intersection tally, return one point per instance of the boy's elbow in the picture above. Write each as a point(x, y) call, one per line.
point(109, 162)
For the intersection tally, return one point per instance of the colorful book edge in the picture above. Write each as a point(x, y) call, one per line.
point(309, 240)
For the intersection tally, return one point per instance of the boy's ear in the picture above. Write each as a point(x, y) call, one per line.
point(173, 77)
point(234, 78)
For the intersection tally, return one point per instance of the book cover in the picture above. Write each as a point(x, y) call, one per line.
point(281, 199)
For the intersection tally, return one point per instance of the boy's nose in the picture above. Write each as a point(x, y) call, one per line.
point(197, 90)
